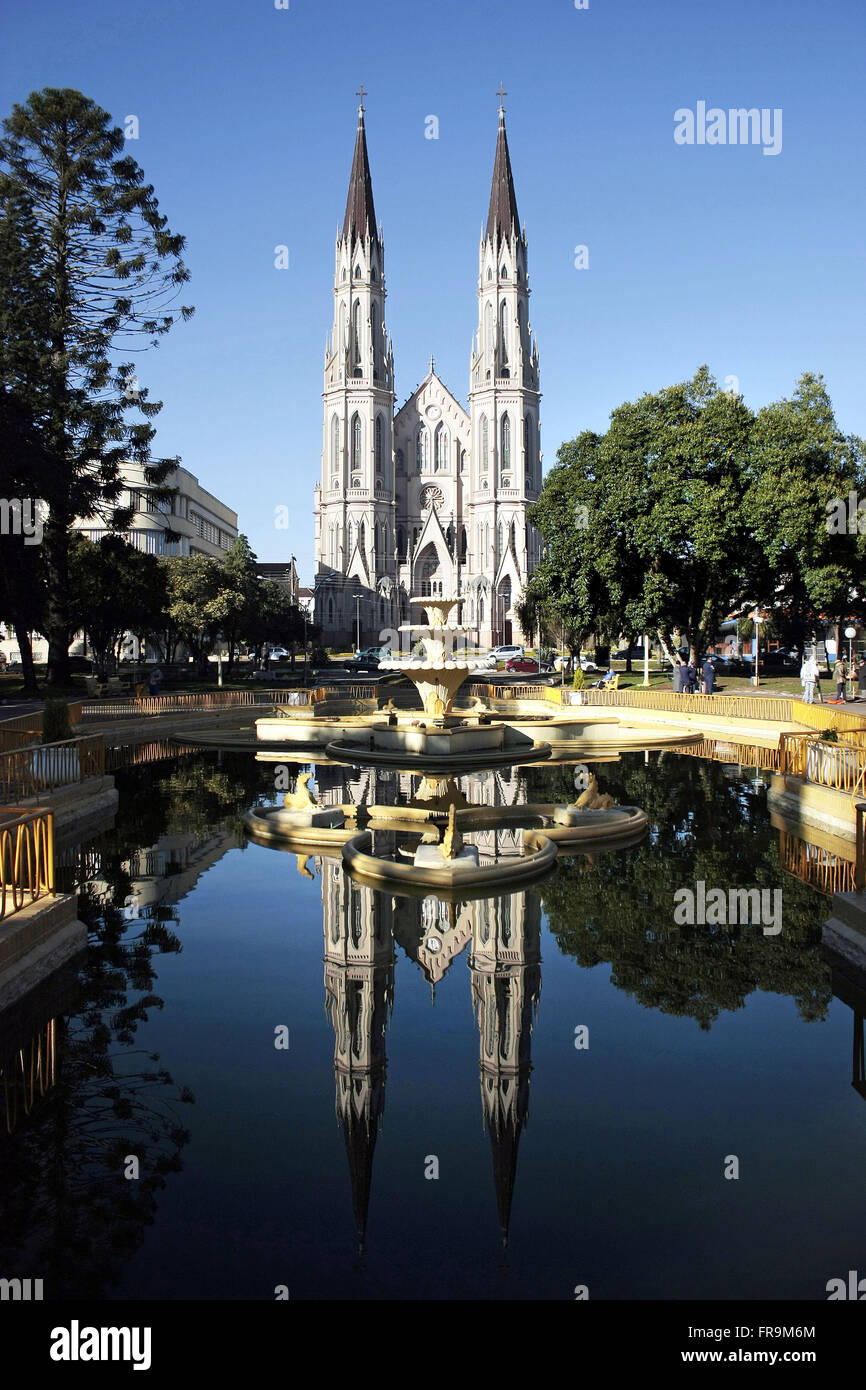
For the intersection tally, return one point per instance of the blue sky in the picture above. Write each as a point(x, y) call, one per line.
point(720, 254)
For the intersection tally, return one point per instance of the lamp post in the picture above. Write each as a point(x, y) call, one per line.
point(305, 609)
point(357, 622)
point(851, 633)
point(646, 679)
point(757, 620)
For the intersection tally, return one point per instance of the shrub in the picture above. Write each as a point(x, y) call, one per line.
point(578, 680)
point(55, 722)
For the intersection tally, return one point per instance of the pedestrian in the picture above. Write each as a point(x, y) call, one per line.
point(691, 677)
point(808, 677)
point(840, 675)
point(708, 671)
point(679, 672)
point(861, 677)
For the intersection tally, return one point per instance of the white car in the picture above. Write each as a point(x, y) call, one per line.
point(505, 653)
point(276, 652)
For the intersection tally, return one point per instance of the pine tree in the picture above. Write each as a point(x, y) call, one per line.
point(110, 270)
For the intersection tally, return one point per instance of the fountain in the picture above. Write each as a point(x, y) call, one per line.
point(442, 740)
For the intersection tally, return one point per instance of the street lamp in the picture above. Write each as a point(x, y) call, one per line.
point(357, 622)
point(757, 620)
point(305, 609)
point(851, 633)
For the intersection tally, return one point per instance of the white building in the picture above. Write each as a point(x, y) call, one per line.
point(192, 522)
point(432, 499)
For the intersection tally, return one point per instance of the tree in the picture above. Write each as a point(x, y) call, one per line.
point(24, 337)
point(800, 466)
point(241, 585)
point(111, 269)
point(197, 604)
point(644, 525)
point(114, 589)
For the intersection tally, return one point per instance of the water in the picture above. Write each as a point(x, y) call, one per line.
point(423, 1037)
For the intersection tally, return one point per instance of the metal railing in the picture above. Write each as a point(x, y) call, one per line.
point(26, 858)
point(184, 703)
point(774, 708)
point(821, 717)
point(28, 1074)
point(43, 767)
point(813, 864)
point(841, 766)
point(725, 751)
point(27, 728)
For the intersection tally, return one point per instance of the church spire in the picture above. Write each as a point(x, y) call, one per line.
point(502, 217)
point(360, 219)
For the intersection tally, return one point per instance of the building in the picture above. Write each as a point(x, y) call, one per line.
point(281, 572)
point(192, 522)
point(431, 499)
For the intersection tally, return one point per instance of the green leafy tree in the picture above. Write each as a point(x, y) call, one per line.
point(197, 604)
point(801, 465)
point(114, 589)
point(111, 270)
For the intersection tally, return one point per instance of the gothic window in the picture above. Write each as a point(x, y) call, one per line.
point(500, 541)
point(489, 273)
point(356, 443)
point(401, 543)
point(350, 538)
point(505, 452)
point(401, 463)
point(422, 449)
point(513, 537)
point(378, 444)
point(503, 338)
point(362, 536)
point(463, 545)
point(488, 329)
point(527, 446)
point(343, 276)
point(504, 272)
point(356, 336)
point(485, 443)
point(441, 448)
point(374, 274)
point(357, 272)
point(462, 460)
point(480, 611)
point(335, 443)
point(344, 328)
point(374, 336)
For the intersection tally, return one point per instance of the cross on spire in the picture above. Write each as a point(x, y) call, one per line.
point(362, 93)
point(501, 93)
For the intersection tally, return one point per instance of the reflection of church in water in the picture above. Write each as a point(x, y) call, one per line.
point(362, 927)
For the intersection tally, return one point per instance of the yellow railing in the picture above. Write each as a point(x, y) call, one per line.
point(841, 766)
point(29, 1074)
point(821, 717)
point(774, 708)
point(824, 870)
point(27, 728)
point(43, 767)
point(26, 858)
point(189, 703)
point(723, 751)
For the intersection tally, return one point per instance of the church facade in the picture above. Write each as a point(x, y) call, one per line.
point(429, 499)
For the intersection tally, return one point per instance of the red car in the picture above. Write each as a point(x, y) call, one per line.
point(526, 664)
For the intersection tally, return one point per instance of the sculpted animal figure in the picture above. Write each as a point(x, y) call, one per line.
point(592, 799)
point(301, 799)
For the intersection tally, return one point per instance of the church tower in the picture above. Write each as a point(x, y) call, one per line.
point(503, 405)
point(355, 500)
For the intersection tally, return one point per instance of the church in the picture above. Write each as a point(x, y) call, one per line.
point(429, 499)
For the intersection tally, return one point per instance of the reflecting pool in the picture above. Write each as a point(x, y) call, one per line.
point(361, 1095)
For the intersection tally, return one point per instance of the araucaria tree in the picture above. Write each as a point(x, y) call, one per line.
point(108, 271)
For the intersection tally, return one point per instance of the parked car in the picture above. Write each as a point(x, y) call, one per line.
point(636, 654)
point(505, 653)
point(528, 664)
point(368, 658)
point(276, 653)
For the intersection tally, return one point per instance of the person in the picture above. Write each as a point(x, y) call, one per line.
point(808, 677)
point(155, 681)
point(708, 671)
point(691, 678)
point(861, 677)
point(840, 675)
point(678, 673)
